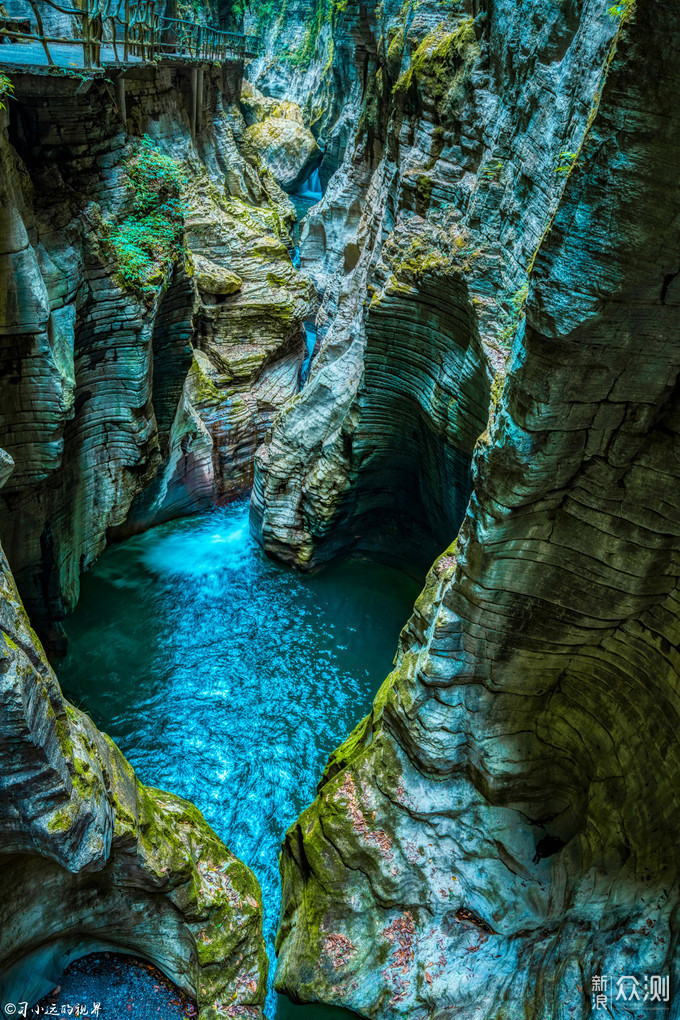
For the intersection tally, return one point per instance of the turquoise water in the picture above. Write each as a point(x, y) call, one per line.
point(227, 678)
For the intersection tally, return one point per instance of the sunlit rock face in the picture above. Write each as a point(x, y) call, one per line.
point(504, 826)
point(91, 859)
point(279, 137)
point(123, 406)
point(288, 149)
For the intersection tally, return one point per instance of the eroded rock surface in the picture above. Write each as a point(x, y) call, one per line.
point(280, 138)
point(503, 826)
point(130, 394)
point(314, 56)
point(90, 858)
point(452, 177)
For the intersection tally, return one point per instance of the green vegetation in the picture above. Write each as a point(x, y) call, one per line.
point(423, 193)
point(152, 236)
point(6, 89)
point(323, 12)
point(514, 316)
point(492, 170)
point(423, 257)
point(566, 162)
point(621, 10)
point(441, 62)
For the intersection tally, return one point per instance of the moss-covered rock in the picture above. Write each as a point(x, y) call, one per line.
point(91, 857)
point(215, 279)
point(287, 147)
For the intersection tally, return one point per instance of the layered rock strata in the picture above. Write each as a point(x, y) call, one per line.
point(453, 175)
point(91, 859)
point(277, 133)
point(314, 55)
point(117, 368)
point(503, 827)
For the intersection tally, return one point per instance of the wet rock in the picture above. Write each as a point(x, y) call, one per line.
point(501, 828)
point(95, 351)
point(92, 858)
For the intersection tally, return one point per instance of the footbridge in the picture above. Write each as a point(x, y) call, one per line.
point(109, 33)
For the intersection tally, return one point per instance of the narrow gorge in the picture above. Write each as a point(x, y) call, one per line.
point(337, 344)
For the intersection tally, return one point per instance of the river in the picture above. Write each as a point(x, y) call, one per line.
point(227, 678)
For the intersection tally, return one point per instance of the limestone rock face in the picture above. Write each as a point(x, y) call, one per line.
point(315, 53)
point(95, 408)
point(257, 108)
point(503, 826)
point(91, 859)
point(453, 175)
point(214, 279)
point(287, 147)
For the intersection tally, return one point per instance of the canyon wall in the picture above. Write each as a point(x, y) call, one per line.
point(152, 318)
point(459, 158)
point(502, 827)
point(314, 55)
point(150, 329)
point(90, 859)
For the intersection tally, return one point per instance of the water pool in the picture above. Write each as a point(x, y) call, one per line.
point(227, 678)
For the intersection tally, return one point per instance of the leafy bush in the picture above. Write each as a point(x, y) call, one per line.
point(152, 236)
point(621, 9)
point(6, 88)
point(565, 162)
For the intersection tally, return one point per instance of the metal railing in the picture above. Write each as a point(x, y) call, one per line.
point(135, 31)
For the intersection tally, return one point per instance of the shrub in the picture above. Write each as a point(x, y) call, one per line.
point(6, 89)
point(151, 237)
point(622, 9)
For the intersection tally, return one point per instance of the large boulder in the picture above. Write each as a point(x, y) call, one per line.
point(280, 139)
point(257, 107)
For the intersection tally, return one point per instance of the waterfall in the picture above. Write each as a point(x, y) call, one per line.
point(310, 330)
point(311, 188)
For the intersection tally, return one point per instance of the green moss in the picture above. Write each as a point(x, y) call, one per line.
point(369, 118)
point(440, 63)
point(324, 12)
point(423, 193)
point(622, 10)
point(10, 642)
point(151, 238)
point(422, 257)
point(495, 398)
point(514, 316)
point(60, 821)
point(202, 385)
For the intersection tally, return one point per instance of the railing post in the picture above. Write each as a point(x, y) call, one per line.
point(85, 33)
point(143, 38)
point(41, 31)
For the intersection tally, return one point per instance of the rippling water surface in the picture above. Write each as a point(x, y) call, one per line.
point(228, 679)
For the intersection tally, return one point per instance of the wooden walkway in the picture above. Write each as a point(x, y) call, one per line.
point(117, 33)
